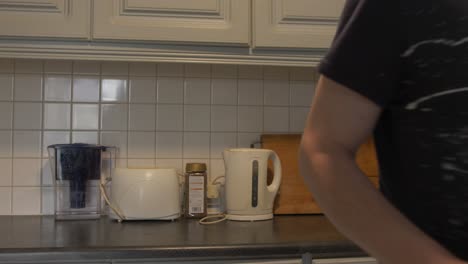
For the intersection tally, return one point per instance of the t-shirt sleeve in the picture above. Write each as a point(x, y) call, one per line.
point(365, 54)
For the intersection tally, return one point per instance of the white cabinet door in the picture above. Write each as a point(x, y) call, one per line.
point(45, 18)
point(208, 21)
point(295, 23)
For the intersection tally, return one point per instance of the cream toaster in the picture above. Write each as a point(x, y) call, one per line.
point(144, 194)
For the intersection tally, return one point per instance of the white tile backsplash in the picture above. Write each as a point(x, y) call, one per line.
point(5, 201)
point(142, 89)
point(27, 144)
point(28, 116)
point(6, 176)
point(6, 115)
point(6, 87)
point(57, 116)
point(114, 89)
point(85, 116)
point(28, 87)
point(6, 143)
point(27, 172)
point(197, 91)
point(142, 117)
point(156, 114)
point(85, 88)
point(224, 91)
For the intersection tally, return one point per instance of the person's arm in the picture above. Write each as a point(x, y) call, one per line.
point(339, 122)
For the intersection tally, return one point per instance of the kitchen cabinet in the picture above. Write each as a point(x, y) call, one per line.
point(295, 23)
point(207, 21)
point(45, 18)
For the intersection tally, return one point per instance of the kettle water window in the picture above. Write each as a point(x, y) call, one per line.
point(254, 183)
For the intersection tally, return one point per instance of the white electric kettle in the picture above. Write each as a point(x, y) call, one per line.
point(248, 197)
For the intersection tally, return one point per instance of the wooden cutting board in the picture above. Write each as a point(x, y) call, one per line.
point(293, 196)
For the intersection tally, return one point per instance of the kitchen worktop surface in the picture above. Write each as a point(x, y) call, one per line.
point(24, 238)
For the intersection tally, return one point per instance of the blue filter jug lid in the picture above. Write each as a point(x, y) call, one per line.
point(78, 146)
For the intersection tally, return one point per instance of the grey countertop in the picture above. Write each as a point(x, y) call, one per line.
point(24, 238)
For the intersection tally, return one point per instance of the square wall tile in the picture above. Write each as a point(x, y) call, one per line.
point(250, 92)
point(297, 118)
point(114, 117)
point(7, 65)
point(196, 145)
point(28, 66)
point(302, 93)
point(27, 144)
point(170, 118)
point(221, 141)
point(276, 93)
point(6, 115)
point(114, 68)
point(58, 66)
point(87, 137)
point(251, 72)
point(27, 172)
point(198, 70)
point(224, 71)
point(26, 200)
point(197, 91)
point(57, 116)
point(54, 137)
point(223, 118)
point(276, 73)
point(85, 116)
point(224, 91)
point(114, 89)
point(196, 118)
point(170, 163)
point(85, 88)
point(141, 163)
point(46, 175)
point(6, 87)
point(169, 145)
point(142, 89)
point(28, 87)
point(170, 69)
point(142, 117)
point(170, 90)
point(28, 115)
point(5, 144)
point(141, 145)
point(47, 201)
point(116, 139)
point(6, 174)
point(276, 119)
point(302, 73)
point(142, 69)
point(250, 118)
point(5, 200)
point(244, 140)
point(86, 67)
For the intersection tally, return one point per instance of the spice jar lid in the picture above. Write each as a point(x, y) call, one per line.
point(195, 167)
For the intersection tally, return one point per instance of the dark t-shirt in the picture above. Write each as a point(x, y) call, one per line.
point(411, 58)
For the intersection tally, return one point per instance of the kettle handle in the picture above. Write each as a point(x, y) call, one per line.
point(275, 184)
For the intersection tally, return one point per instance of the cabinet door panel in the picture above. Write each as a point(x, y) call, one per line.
point(208, 21)
point(295, 23)
point(45, 18)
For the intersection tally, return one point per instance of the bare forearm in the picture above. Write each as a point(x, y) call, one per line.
point(360, 212)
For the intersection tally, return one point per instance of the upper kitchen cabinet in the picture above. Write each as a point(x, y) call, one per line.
point(45, 18)
point(304, 24)
point(183, 21)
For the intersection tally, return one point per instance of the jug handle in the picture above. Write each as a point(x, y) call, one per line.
point(275, 184)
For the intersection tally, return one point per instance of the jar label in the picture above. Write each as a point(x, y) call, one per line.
point(196, 194)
